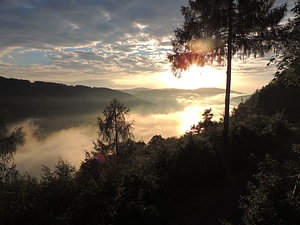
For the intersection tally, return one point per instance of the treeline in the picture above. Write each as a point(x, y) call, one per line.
point(193, 179)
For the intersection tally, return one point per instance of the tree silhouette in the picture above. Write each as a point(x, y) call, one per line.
point(8, 146)
point(215, 30)
point(289, 62)
point(206, 123)
point(113, 127)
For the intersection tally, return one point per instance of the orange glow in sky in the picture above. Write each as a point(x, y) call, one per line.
point(197, 77)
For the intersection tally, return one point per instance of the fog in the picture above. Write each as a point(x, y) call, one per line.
point(70, 143)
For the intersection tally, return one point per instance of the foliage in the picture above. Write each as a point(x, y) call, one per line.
point(215, 30)
point(8, 146)
point(47, 201)
point(205, 124)
point(113, 128)
point(271, 199)
point(18, 200)
point(203, 38)
point(57, 188)
point(284, 100)
point(289, 61)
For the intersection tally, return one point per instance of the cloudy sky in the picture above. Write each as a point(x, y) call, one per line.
point(105, 43)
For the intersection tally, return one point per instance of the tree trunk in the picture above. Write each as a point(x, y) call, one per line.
point(116, 133)
point(228, 73)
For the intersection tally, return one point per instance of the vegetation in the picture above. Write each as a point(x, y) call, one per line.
point(192, 179)
point(288, 63)
point(113, 128)
point(8, 146)
point(216, 30)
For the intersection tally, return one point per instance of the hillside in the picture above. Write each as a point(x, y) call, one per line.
point(58, 106)
point(24, 99)
point(274, 98)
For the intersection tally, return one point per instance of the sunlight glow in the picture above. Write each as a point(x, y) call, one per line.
point(197, 77)
point(190, 116)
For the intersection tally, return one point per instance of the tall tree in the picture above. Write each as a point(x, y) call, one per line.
point(113, 127)
point(215, 30)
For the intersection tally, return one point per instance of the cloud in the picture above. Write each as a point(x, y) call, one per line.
point(88, 39)
point(251, 74)
point(68, 144)
point(44, 24)
point(98, 42)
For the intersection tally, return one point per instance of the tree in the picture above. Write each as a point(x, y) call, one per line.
point(289, 62)
point(207, 117)
point(273, 197)
point(215, 30)
point(113, 127)
point(8, 146)
point(58, 191)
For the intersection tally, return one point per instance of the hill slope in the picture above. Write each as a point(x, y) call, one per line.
point(24, 99)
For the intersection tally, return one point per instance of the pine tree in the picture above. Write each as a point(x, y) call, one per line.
point(113, 127)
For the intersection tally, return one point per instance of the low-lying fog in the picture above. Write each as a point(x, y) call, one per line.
point(71, 143)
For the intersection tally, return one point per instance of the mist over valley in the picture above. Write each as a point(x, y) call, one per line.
point(60, 120)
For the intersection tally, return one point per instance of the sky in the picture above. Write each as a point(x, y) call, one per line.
point(107, 43)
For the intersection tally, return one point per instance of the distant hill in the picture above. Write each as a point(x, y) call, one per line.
point(160, 93)
point(58, 106)
point(23, 99)
point(53, 106)
point(167, 99)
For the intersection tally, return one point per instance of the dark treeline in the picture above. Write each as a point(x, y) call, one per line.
point(192, 179)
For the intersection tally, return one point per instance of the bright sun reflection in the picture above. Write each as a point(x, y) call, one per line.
point(194, 78)
point(190, 116)
point(197, 77)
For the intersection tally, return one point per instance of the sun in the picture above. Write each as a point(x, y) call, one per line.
point(198, 77)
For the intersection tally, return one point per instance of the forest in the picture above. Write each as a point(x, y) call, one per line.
point(198, 178)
